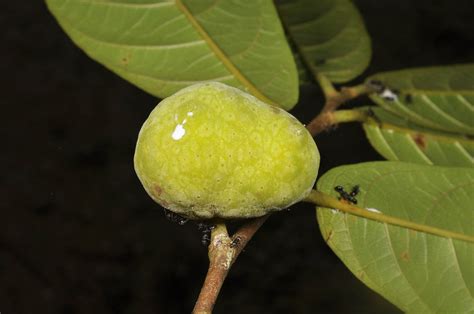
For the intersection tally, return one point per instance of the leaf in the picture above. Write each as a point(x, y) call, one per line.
point(304, 77)
point(416, 271)
point(163, 45)
point(330, 36)
point(399, 139)
point(440, 98)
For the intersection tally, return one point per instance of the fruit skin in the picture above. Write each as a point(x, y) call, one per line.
point(212, 150)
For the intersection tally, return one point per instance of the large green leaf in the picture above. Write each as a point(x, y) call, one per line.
point(399, 139)
point(330, 36)
point(441, 98)
point(417, 271)
point(164, 45)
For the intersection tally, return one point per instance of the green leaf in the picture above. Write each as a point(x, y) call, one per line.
point(417, 271)
point(304, 77)
point(330, 36)
point(440, 98)
point(399, 139)
point(162, 45)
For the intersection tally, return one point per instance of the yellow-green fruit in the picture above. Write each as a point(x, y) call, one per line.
point(211, 150)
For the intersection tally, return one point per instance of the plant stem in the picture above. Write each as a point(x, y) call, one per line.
point(223, 251)
point(350, 115)
point(334, 98)
point(327, 119)
point(220, 257)
point(327, 87)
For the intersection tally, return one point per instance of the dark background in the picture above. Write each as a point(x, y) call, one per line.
point(79, 235)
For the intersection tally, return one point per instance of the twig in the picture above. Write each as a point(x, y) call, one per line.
point(220, 259)
point(246, 232)
point(327, 118)
point(223, 251)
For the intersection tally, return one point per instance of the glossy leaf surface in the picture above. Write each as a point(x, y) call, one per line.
point(162, 46)
point(416, 271)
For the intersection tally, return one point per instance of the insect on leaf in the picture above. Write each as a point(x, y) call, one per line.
point(440, 98)
point(417, 271)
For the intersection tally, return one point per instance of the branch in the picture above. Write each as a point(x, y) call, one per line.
point(223, 251)
point(220, 258)
point(327, 119)
point(334, 98)
point(246, 232)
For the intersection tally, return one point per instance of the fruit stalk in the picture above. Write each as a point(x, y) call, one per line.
point(220, 258)
point(223, 251)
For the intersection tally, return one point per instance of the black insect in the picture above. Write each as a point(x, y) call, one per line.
point(202, 226)
point(355, 190)
point(173, 217)
point(206, 239)
point(235, 242)
point(206, 230)
point(339, 189)
point(350, 197)
point(376, 85)
point(408, 98)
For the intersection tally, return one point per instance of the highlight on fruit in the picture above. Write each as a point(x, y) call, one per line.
point(212, 150)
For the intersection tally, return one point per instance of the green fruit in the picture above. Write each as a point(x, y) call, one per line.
point(211, 150)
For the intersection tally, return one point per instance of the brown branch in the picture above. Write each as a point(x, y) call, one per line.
point(323, 121)
point(223, 251)
point(246, 232)
point(220, 258)
point(326, 118)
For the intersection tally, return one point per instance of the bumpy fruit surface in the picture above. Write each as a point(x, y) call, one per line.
point(211, 150)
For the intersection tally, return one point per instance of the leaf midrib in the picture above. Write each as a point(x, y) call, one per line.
point(130, 5)
point(438, 138)
point(221, 55)
point(326, 201)
point(437, 92)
